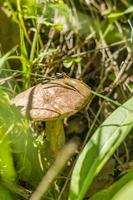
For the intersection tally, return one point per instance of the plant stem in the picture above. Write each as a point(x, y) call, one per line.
point(34, 43)
point(22, 25)
point(55, 135)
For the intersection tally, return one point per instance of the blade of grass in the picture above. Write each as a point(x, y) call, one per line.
point(21, 22)
point(121, 190)
point(119, 14)
point(99, 149)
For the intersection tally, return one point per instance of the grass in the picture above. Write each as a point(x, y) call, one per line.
point(91, 41)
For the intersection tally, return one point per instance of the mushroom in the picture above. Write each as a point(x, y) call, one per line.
point(52, 102)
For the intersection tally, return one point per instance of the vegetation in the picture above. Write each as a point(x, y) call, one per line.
point(87, 40)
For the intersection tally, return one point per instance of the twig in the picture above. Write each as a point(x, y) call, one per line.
point(68, 150)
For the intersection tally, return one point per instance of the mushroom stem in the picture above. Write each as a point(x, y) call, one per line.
point(55, 135)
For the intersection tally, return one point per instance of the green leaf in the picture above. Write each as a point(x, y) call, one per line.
point(5, 194)
point(58, 27)
point(121, 190)
point(77, 60)
point(16, 137)
point(68, 63)
point(119, 14)
point(7, 169)
point(4, 58)
point(100, 147)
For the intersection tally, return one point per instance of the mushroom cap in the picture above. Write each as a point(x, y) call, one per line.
point(55, 99)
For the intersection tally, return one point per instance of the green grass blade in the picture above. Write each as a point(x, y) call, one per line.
point(121, 190)
point(119, 14)
point(99, 148)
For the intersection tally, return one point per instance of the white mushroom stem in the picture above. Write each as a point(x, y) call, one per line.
point(55, 135)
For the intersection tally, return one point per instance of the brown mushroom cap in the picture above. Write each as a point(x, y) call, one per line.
point(55, 99)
